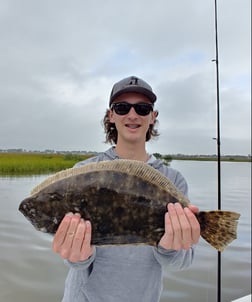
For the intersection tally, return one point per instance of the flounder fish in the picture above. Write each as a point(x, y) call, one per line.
point(125, 200)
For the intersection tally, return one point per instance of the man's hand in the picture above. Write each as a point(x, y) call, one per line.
point(182, 228)
point(73, 238)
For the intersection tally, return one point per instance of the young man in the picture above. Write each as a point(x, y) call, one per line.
point(131, 273)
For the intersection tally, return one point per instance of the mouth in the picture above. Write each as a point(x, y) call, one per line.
point(132, 126)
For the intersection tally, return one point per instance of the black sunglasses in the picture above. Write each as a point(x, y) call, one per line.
point(124, 108)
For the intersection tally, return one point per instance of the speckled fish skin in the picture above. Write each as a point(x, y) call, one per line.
point(124, 200)
point(118, 212)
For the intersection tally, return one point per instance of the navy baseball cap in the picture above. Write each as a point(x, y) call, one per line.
point(132, 84)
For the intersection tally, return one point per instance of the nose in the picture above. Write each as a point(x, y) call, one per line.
point(132, 112)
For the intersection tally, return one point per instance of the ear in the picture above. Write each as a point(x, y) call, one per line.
point(111, 116)
point(154, 115)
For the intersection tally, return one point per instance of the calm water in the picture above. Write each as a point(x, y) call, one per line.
point(30, 271)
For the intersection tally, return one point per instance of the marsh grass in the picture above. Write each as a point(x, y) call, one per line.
point(36, 163)
point(43, 163)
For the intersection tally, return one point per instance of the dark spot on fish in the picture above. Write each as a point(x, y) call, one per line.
point(104, 228)
point(119, 212)
point(142, 201)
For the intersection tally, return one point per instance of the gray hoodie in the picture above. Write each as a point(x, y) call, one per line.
point(128, 273)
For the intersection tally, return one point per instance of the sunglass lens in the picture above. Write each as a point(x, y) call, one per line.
point(143, 109)
point(124, 108)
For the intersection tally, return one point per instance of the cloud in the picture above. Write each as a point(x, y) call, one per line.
point(60, 59)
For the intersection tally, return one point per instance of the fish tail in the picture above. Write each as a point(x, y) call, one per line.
point(218, 228)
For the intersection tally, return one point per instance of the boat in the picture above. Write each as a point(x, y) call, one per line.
point(243, 299)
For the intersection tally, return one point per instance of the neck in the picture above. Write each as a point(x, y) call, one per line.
point(132, 152)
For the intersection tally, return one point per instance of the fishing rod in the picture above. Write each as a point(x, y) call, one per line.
point(216, 60)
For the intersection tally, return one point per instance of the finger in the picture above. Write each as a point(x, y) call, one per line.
point(75, 219)
point(79, 236)
point(67, 244)
point(169, 230)
point(193, 208)
point(186, 234)
point(86, 249)
point(195, 226)
point(88, 234)
point(177, 234)
point(78, 239)
point(166, 240)
point(61, 232)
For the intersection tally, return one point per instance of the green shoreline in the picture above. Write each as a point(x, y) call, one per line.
point(29, 163)
point(36, 163)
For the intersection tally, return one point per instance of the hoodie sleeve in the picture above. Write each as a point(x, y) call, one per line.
point(174, 260)
point(82, 265)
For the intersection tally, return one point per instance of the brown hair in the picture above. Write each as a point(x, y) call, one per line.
point(111, 131)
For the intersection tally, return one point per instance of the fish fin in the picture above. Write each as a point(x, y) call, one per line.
point(130, 167)
point(218, 228)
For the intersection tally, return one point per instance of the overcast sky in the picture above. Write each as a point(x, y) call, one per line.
point(59, 60)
